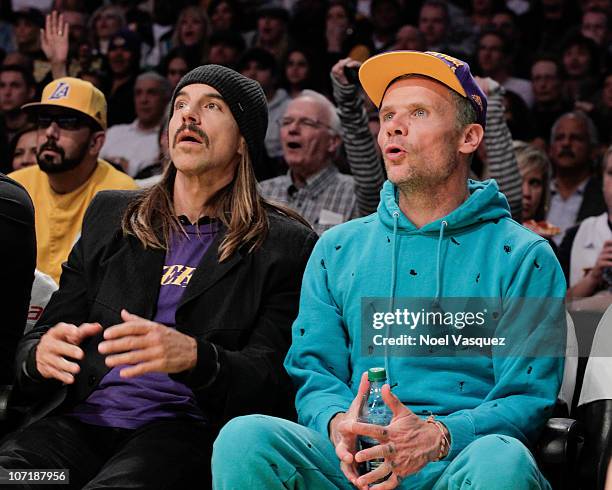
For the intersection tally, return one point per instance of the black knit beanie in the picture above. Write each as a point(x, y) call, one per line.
point(244, 97)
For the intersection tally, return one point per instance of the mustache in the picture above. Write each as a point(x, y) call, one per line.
point(51, 145)
point(566, 153)
point(194, 129)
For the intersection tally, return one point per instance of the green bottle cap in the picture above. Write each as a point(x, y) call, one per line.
point(377, 374)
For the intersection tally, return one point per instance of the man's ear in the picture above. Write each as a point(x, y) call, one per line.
point(470, 138)
point(334, 143)
point(96, 141)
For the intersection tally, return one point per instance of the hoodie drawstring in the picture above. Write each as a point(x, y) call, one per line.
point(392, 289)
point(438, 263)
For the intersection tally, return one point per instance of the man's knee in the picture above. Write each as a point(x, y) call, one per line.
point(245, 435)
point(500, 461)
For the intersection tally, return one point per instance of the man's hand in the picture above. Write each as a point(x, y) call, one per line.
point(604, 260)
point(407, 444)
point(58, 344)
point(343, 440)
point(54, 40)
point(149, 346)
point(337, 70)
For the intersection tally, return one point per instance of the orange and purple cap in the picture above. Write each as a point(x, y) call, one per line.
point(379, 71)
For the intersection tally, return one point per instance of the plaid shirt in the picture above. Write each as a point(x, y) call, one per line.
point(327, 199)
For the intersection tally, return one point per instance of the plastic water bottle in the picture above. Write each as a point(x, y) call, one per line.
point(375, 411)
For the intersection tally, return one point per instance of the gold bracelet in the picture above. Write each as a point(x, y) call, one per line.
point(444, 443)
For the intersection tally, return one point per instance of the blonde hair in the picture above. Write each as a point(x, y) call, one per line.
point(530, 158)
point(201, 14)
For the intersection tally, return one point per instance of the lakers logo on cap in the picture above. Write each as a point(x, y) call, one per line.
point(60, 92)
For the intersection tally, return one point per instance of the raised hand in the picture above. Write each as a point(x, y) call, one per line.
point(54, 42)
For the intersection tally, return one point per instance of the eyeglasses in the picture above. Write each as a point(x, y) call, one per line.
point(302, 122)
point(67, 122)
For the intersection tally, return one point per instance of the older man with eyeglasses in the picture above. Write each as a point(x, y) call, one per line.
point(310, 132)
point(71, 125)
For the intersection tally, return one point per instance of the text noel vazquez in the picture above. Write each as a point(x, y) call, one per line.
point(429, 340)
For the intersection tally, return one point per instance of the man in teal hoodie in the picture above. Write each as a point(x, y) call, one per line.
point(459, 421)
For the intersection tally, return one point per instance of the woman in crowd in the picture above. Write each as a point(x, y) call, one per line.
point(300, 71)
point(105, 22)
point(174, 65)
point(224, 15)
point(23, 148)
point(191, 33)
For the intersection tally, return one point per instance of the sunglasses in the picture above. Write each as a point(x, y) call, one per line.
point(67, 122)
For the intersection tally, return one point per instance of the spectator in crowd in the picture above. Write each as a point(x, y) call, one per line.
point(482, 12)
point(580, 59)
point(24, 147)
point(123, 62)
point(191, 33)
point(134, 146)
point(409, 38)
point(18, 247)
point(300, 71)
point(518, 118)
point(71, 121)
point(26, 26)
point(586, 251)
point(575, 193)
point(164, 17)
point(342, 34)
point(272, 30)
point(151, 175)
point(536, 171)
point(476, 431)
point(17, 87)
point(226, 47)
point(175, 66)
point(224, 15)
point(146, 417)
point(495, 61)
point(595, 26)
point(434, 22)
point(104, 24)
point(386, 17)
point(506, 22)
point(313, 186)
point(549, 102)
point(259, 65)
point(601, 111)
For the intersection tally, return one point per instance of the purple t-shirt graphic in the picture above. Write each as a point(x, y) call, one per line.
point(133, 402)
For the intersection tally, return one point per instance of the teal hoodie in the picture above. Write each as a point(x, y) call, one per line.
point(475, 251)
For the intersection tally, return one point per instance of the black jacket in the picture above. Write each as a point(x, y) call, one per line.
point(18, 249)
point(245, 306)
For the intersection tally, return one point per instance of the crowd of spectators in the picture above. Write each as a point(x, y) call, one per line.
point(551, 56)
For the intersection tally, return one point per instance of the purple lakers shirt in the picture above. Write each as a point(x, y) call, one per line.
point(133, 402)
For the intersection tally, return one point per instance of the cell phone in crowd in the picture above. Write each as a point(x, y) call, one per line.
point(352, 74)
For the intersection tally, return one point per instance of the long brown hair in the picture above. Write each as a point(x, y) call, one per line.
point(238, 206)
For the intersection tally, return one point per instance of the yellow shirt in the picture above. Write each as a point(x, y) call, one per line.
point(59, 216)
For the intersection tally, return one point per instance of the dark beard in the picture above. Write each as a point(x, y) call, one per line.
point(65, 164)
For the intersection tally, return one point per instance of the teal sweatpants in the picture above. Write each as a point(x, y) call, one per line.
point(260, 452)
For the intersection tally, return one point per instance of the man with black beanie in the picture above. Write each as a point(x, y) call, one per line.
point(174, 308)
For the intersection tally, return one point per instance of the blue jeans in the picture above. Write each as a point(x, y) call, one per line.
point(258, 451)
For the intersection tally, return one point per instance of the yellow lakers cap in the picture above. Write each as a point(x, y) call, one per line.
point(75, 94)
point(379, 71)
